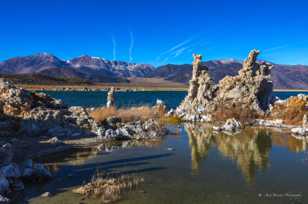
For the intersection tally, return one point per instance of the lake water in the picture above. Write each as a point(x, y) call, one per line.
point(189, 165)
point(126, 99)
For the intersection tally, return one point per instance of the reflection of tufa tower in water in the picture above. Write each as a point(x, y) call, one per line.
point(250, 149)
point(200, 140)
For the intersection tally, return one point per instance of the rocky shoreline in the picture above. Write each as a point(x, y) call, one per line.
point(34, 124)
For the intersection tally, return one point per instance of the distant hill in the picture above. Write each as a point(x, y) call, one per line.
point(47, 68)
point(284, 76)
point(93, 69)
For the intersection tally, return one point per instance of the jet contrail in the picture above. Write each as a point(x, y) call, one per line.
point(275, 48)
point(131, 46)
point(114, 47)
point(180, 48)
point(177, 46)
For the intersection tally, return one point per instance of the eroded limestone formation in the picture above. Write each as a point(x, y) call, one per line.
point(251, 89)
point(110, 98)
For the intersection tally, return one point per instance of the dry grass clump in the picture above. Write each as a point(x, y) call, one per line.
point(128, 114)
point(291, 112)
point(171, 120)
point(101, 114)
point(109, 188)
point(243, 114)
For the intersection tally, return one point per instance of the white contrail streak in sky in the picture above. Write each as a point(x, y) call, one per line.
point(131, 46)
point(177, 46)
point(275, 48)
point(180, 48)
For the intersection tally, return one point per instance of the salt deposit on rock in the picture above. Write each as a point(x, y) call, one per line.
point(149, 129)
point(300, 131)
point(231, 125)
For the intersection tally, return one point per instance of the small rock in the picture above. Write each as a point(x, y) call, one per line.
point(159, 102)
point(4, 184)
point(231, 125)
point(100, 132)
point(54, 140)
point(110, 134)
point(46, 195)
point(217, 128)
point(170, 149)
point(35, 170)
point(4, 200)
point(113, 120)
point(41, 171)
point(6, 154)
point(300, 131)
point(11, 171)
point(171, 112)
point(100, 148)
point(206, 118)
point(17, 185)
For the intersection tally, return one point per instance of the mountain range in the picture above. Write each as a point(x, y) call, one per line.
point(44, 66)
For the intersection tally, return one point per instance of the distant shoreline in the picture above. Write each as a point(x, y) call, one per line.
point(121, 87)
point(291, 90)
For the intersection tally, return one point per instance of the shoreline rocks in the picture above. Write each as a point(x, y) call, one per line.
point(231, 125)
point(31, 118)
point(13, 176)
point(138, 130)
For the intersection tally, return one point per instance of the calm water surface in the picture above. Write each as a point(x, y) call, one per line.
point(255, 166)
point(126, 99)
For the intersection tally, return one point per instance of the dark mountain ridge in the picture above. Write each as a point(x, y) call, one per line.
point(96, 69)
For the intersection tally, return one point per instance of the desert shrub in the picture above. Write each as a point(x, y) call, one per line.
point(109, 188)
point(291, 112)
point(243, 114)
point(127, 114)
point(171, 120)
point(137, 113)
point(100, 114)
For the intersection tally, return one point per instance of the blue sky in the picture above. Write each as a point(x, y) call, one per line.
point(156, 31)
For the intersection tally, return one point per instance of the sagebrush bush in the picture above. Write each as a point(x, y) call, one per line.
point(291, 112)
point(127, 114)
point(243, 114)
